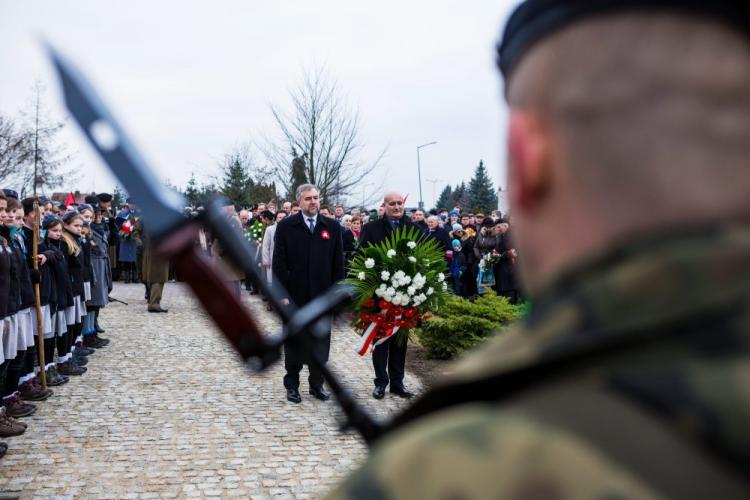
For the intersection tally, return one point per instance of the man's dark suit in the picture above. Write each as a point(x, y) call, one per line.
point(389, 358)
point(307, 264)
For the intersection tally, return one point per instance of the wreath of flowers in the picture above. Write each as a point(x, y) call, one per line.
point(398, 282)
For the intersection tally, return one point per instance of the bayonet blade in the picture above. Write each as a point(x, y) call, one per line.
point(116, 150)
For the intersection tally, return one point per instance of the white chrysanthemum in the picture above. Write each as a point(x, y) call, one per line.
point(406, 280)
point(382, 286)
point(419, 281)
point(391, 253)
point(411, 290)
point(379, 292)
point(390, 291)
point(362, 276)
point(399, 274)
point(411, 245)
point(441, 277)
point(412, 259)
point(385, 275)
point(370, 263)
point(430, 291)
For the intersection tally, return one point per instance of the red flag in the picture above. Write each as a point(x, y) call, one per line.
point(70, 199)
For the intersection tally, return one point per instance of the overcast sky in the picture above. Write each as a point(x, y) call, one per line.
point(189, 80)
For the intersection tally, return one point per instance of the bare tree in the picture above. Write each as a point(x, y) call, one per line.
point(31, 156)
point(15, 149)
point(324, 132)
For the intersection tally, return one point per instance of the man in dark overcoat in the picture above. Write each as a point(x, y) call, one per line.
point(308, 258)
point(388, 358)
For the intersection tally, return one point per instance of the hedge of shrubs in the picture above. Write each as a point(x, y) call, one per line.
point(462, 324)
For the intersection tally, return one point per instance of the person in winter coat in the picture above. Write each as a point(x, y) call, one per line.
point(266, 253)
point(71, 364)
point(101, 283)
point(469, 277)
point(128, 247)
point(457, 267)
point(9, 426)
point(20, 331)
point(62, 297)
point(506, 284)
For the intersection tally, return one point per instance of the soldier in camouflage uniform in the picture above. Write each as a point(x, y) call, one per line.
point(629, 142)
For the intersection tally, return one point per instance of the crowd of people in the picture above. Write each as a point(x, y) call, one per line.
point(465, 237)
point(83, 247)
point(73, 275)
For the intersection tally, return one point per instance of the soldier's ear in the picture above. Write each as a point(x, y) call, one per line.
point(529, 161)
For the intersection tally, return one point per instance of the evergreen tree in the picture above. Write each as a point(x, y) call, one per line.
point(459, 197)
point(298, 175)
point(260, 192)
point(192, 192)
point(445, 198)
point(207, 191)
point(236, 181)
point(481, 193)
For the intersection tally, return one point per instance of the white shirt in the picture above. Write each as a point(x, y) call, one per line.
point(306, 218)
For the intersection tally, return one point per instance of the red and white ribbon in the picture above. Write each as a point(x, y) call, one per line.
point(367, 340)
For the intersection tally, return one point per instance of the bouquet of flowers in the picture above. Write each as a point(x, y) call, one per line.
point(398, 282)
point(486, 276)
point(127, 229)
point(256, 231)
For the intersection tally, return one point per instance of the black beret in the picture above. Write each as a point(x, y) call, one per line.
point(9, 193)
point(105, 197)
point(91, 200)
point(70, 215)
point(85, 206)
point(49, 219)
point(44, 198)
point(534, 20)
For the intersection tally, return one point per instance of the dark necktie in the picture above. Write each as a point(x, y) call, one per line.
point(311, 222)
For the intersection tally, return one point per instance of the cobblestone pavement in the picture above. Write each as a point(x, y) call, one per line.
point(167, 410)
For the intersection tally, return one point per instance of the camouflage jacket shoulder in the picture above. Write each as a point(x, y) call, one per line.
point(663, 323)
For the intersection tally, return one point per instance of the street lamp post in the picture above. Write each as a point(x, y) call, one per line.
point(419, 172)
point(433, 182)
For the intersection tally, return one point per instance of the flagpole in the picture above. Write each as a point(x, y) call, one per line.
point(39, 325)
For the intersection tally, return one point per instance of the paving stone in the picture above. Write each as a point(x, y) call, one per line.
point(168, 410)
